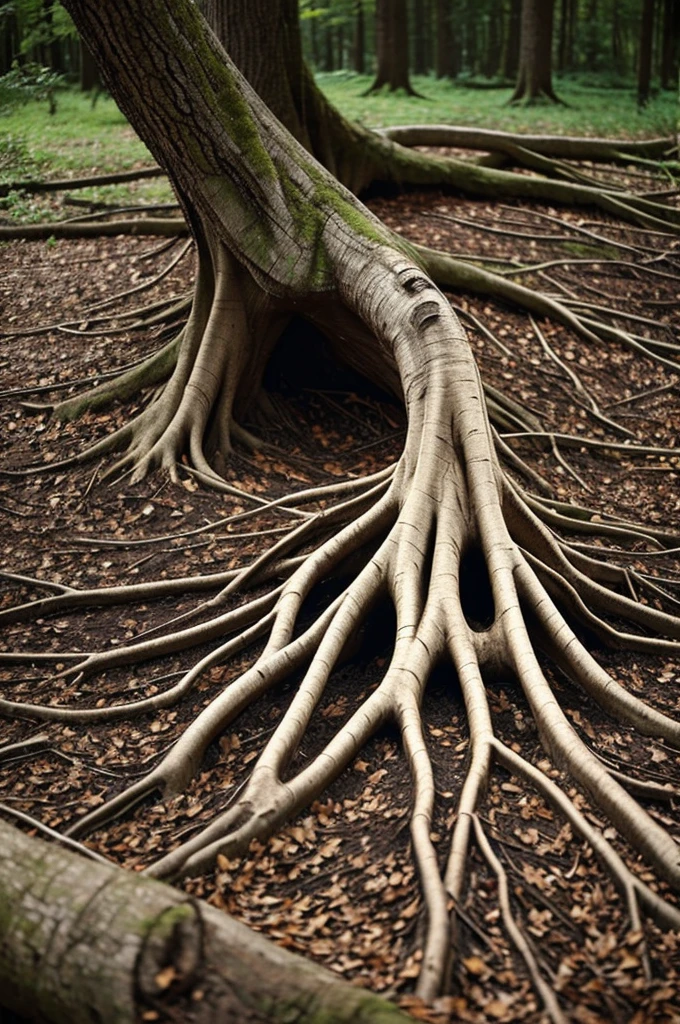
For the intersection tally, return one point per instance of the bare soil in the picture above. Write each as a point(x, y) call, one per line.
point(338, 884)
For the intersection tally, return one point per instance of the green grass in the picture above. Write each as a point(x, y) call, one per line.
point(79, 140)
point(591, 110)
point(75, 141)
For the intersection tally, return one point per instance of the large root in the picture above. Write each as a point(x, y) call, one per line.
point(416, 528)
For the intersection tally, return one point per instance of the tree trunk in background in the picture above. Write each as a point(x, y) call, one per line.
point(645, 58)
point(670, 42)
point(82, 941)
point(568, 18)
point(420, 19)
point(492, 57)
point(471, 15)
point(445, 63)
point(591, 42)
point(9, 36)
point(89, 73)
point(54, 51)
point(328, 49)
point(314, 42)
point(391, 21)
point(510, 56)
point(359, 40)
point(617, 52)
point(534, 78)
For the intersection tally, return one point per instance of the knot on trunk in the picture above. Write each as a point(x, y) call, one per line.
point(171, 953)
point(425, 314)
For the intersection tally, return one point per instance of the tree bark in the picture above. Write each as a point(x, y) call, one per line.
point(645, 58)
point(391, 20)
point(492, 55)
point(534, 79)
point(510, 57)
point(89, 73)
point(359, 39)
point(446, 65)
point(670, 44)
point(421, 16)
point(82, 940)
point(565, 50)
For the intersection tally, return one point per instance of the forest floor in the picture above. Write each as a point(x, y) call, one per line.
point(337, 885)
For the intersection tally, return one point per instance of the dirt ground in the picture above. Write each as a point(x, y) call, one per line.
point(338, 884)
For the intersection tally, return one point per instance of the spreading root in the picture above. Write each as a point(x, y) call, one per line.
point(480, 574)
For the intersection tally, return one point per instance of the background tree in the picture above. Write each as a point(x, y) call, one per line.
point(511, 35)
point(447, 56)
point(534, 76)
point(392, 47)
point(670, 44)
point(359, 39)
point(646, 46)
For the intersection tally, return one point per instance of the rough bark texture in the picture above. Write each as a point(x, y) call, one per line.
point(358, 39)
point(646, 47)
point(446, 65)
point(263, 40)
point(83, 941)
point(670, 44)
point(510, 57)
point(276, 234)
point(391, 20)
point(534, 78)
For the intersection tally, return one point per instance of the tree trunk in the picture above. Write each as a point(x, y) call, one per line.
point(492, 58)
point(9, 39)
point(359, 39)
point(591, 44)
point(328, 48)
point(420, 18)
point(617, 53)
point(645, 58)
point(445, 62)
point(314, 42)
point(565, 51)
point(391, 21)
point(340, 44)
point(89, 72)
point(470, 28)
point(670, 44)
point(82, 940)
point(510, 58)
point(534, 78)
point(264, 41)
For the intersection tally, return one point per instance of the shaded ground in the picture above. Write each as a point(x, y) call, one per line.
point(338, 885)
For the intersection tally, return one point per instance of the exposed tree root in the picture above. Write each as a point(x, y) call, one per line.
point(59, 185)
point(172, 227)
point(561, 147)
point(418, 531)
point(416, 526)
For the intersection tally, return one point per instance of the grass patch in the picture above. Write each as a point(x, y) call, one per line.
point(77, 140)
point(81, 140)
point(592, 110)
